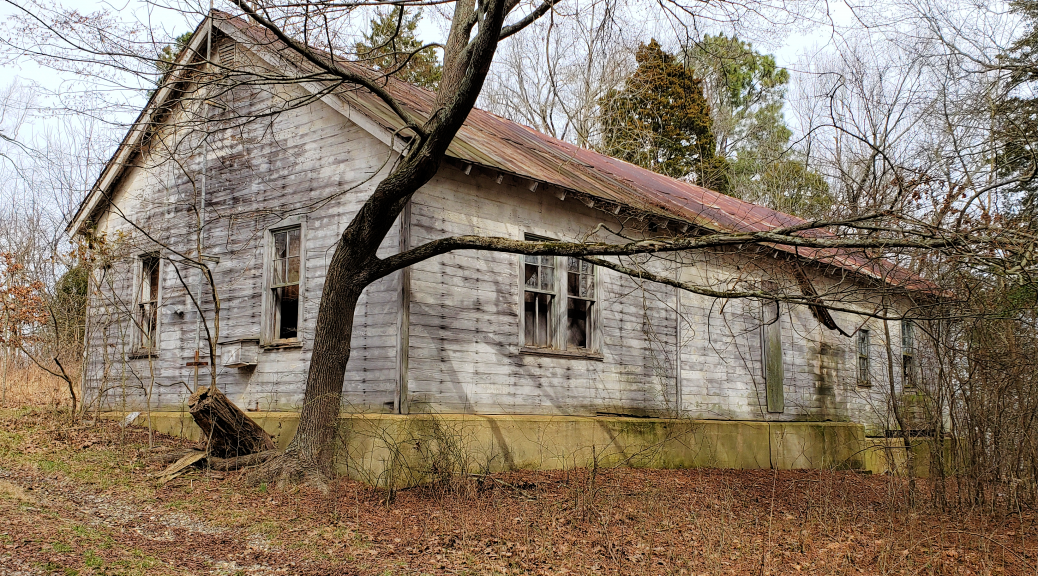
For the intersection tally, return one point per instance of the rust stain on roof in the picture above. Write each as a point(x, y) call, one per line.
point(499, 144)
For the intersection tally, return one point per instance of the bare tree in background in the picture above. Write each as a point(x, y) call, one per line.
point(45, 169)
point(554, 77)
point(917, 117)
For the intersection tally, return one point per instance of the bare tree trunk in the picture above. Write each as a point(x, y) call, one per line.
point(312, 444)
point(354, 264)
point(352, 268)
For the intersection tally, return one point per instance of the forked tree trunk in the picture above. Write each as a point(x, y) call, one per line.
point(354, 263)
point(228, 431)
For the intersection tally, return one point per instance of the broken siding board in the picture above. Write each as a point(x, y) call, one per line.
point(435, 362)
point(463, 325)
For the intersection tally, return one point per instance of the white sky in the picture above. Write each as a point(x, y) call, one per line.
point(788, 51)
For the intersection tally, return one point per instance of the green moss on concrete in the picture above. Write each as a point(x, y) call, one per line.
point(825, 445)
point(389, 449)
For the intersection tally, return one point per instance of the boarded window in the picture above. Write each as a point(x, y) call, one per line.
point(863, 358)
point(580, 298)
point(148, 302)
point(773, 369)
point(539, 300)
point(284, 283)
point(908, 364)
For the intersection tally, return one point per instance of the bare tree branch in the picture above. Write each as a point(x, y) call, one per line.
point(334, 70)
point(530, 18)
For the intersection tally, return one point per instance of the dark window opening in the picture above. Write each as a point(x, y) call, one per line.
point(863, 357)
point(148, 302)
point(908, 367)
point(285, 283)
point(538, 319)
point(908, 370)
point(580, 291)
point(577, 313)
point(286, 300)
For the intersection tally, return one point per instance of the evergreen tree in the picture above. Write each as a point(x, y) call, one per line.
point(746, 89)
point(746, 93)
point(164, 61)
point(390, 46)
point(660, 120)
point(1015, 118)
point(169, 52)
point(68, 305)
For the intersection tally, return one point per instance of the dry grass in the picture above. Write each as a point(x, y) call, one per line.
point(86, 501)
point(31, 386)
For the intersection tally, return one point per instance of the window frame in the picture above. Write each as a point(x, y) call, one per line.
point(551, 328)
point(592, 322)
point(909, 369)
point(558, 316)
point(141, 280)
point(863, 347)
point(269, 317)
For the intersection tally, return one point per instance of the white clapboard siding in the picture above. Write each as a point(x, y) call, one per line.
point(659, 353)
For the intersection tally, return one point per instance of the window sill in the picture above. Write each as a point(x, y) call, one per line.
point(282, 344)
point(240, 339)
point(577, 354)
point(142, 354)
point(864, 384)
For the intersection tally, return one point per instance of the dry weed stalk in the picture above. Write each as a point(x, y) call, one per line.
point(28, 385)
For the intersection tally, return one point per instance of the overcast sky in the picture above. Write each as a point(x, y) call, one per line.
point(788, 44)
point(787, 50)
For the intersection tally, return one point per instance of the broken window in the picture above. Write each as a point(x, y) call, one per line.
point(908, 367)
point(558, 302)
point(285, 275)
point(148, 302)
point(539, 297)
point(580, 297)
point(863, 357)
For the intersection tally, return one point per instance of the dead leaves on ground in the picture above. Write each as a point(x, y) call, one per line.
point(616, 522)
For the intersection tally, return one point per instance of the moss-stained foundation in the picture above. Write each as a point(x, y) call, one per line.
point(385, 449)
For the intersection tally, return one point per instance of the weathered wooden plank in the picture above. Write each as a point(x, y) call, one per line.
point(774, 369)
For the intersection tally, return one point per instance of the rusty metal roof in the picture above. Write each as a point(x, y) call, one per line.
point(495, 143)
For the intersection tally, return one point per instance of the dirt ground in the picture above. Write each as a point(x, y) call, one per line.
point(86, 500)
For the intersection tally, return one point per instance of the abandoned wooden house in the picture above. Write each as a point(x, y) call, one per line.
point(261, 180)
